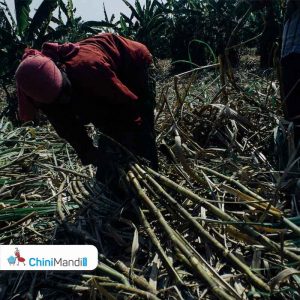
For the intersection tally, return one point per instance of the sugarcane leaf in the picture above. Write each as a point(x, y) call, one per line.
point(41, 18)
point(139, 8)
point(155, 265)
point(125, 18)
point(63, 7)
point(283, 275)
point(56, 20)
point(70, 10)
point(5, 23)
point(22, 9)
point(133, 10)
point(134, 248)
point(57, 34)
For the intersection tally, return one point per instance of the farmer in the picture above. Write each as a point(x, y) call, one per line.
point(105, 80)
point(290, 61)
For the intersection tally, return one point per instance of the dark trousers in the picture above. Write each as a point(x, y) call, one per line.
point(290, 71)
point(138, 139)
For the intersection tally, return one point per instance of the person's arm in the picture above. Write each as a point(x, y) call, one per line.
point(72, 130)
point(106, 85)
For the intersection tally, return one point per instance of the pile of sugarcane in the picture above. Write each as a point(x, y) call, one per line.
point(217, 221)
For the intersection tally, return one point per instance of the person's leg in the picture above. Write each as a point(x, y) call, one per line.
point(138, 139)
point(107, 168)
point(290, 68)
point(288, 130)
point(145, 134)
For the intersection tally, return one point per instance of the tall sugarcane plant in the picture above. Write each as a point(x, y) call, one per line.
point(146, 24)
point(17, 32)
point(21, 30)
point(73, 28)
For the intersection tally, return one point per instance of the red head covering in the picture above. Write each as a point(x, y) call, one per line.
point(38, 80)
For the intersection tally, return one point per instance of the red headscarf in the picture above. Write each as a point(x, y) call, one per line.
point(39, 79)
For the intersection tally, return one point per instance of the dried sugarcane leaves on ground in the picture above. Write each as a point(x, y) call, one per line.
point(218, 221)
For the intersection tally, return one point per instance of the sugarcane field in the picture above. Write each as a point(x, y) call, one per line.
point(149, 149)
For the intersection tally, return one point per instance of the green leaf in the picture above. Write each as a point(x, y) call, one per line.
point(41, 18)
point(22, 8)
point(57, 34)
point(68, 10)
point(56, 21)
point(133, 11)
point(126, 19)
point(6, 16)
point(139, 9)
point(105, 13)
point(5, 23)
point(63, 7)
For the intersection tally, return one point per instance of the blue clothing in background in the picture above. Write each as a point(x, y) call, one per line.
point(291, 35)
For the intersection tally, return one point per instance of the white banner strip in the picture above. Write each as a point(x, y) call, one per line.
point(48, 257)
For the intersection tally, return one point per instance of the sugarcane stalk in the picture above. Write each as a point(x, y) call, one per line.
point(251, 201)
point(112, 272)
point(65, 286)
point(207, 265)
point(222, 75)
point(217, 290)
point(156, 243)
point(15, 224)
point(197, 69)
point(123, 287)
point(82, 189)
point(17, 160)
point(75, 190)
point(238, 27)
point(204, 234)
point(51, 167)
point(74, 198)
point(186, 91)
point(233, 181)
point(245, 42)
point(238, 235)
point(264, 240)
point(178, 97)
point(293, 227)
point(59, 202)
point(102, 290)
point(137, 279)
point(183, 259)
point(23, 182)
point(181, 158)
